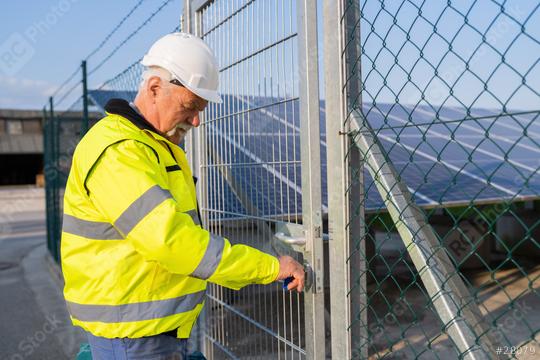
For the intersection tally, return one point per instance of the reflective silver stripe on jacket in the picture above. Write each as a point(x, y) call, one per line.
point(194, 215)
point(136, 311)
point(140, 208)
point(90, 229)
point(137, 211)
point(211, 258)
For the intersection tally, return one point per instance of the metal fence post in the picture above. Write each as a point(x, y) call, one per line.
point(348, 340)
point(186, 16)
point(357, 262)
point(84, 125)
point(46, 171)
point(191, 141)
point(51, 108)
point(54, 184)
point(310, 143)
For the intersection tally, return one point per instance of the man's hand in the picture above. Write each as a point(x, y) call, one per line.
point(288, 267)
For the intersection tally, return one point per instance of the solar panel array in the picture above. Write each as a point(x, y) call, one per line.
point(449, 161)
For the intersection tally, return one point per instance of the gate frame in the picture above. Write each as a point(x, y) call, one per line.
point(310, 147)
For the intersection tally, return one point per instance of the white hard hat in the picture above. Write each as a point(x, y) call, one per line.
point(189, 60)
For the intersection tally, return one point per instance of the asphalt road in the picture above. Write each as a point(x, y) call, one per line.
point(33, 320)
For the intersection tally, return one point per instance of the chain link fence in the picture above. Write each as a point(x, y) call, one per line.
point(62, 132)
point(442, 116)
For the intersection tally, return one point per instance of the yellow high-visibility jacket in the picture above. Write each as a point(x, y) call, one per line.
point(134, 256)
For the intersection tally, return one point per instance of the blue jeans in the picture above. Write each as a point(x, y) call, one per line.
point(159, 347)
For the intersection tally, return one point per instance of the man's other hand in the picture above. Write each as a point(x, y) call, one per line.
point(288, 267)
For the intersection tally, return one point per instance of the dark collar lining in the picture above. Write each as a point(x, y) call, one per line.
point(121, 107)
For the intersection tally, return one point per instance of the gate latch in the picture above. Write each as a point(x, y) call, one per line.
point(290, 239)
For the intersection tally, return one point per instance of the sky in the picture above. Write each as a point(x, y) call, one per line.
point(443, 40)
point(43, 42)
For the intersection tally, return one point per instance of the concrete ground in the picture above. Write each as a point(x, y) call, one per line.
point(34, 323)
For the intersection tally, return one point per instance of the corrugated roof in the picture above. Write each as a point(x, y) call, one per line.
point(21, 144)
point(20, 114)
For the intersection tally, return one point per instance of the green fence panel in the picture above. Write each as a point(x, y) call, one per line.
point(450, 93)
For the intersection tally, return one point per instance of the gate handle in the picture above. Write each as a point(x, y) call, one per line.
point(290, 240)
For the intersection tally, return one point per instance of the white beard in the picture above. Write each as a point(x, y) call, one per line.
point(179, 131)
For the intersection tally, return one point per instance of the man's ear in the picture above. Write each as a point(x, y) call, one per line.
point(154, 86)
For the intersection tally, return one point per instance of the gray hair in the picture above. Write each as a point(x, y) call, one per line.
point(151, 71)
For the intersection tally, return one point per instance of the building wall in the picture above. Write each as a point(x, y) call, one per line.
point(21, 146)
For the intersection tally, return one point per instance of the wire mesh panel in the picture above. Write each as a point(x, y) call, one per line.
point(442, 111)
point(62, 132)
point(250, 172)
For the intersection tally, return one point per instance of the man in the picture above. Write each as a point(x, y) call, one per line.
point(134, 256)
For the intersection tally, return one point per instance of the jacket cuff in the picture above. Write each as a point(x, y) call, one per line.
point(268, 268)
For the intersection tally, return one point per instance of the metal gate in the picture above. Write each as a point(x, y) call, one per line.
point(258, 161)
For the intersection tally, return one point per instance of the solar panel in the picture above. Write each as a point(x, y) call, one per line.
point(99, 98)
point(491, 152)
point(448, 159)
point(444, 156)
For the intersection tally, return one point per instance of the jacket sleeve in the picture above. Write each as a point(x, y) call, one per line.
point(128, 186)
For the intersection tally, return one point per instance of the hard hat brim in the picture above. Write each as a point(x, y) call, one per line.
point(210, 95)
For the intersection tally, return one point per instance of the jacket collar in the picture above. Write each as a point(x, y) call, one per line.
point(121, 107)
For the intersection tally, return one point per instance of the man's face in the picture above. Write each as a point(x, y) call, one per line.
point(179, 109)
